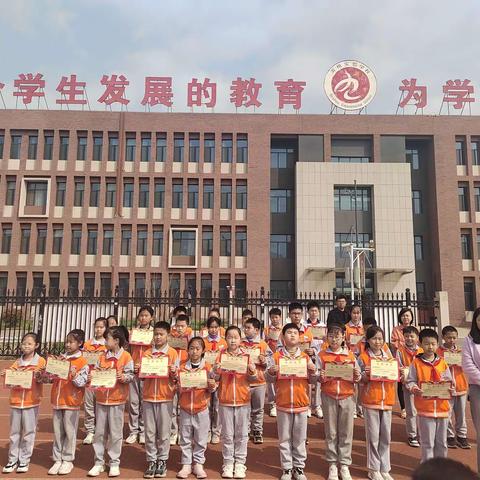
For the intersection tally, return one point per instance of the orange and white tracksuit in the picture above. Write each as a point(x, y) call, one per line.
point(110, 407)
point(352, 329)
point(24, 413)
point(272, 335)
point(204, 332)
point(66, 399)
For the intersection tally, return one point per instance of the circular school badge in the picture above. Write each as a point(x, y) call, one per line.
point(350, 85)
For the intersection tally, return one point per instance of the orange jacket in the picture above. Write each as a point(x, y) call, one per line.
point(351, 329)
point(275, 336)
point(397, 339)
point(68, 394)
point(459, 378)
point(159, 390)
point(263, 347)
point(137, 351)
point(20, 398)
point(338, 389)
point(182, 354)
point(93, 345)
point(376, 395)
point(122, 362)
point(194, 401)
point(214, 345)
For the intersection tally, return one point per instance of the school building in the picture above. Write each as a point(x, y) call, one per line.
point(201, 202)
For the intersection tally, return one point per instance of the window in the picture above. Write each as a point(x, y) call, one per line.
point(21, 284)
point(226, 194)
point(130, 150)
point(475, 152)
point(227, 149)
point(126, 243)
point(224, 286)
point(280, 201)
point(145, 154)
point(194, 148)
point(79, 192)
point(463, 198)
point(94, 192)
point(159, 193)
point(72, 284)
point(156, 284)
point(225, 242)
point(161, 148)
point(112, 148)
point(183, 248)
point(124, 284)
point(2, 144)
point(241, 193)
point(97, 147)
point(54, 284)
point(469, 294)
point(207, 241)
point(25, 239)
point(82, 148)
point(240, 286)
point(476, 193)
point(241, 242)
point(191, 285)
point(41, 239)
point(76, 240)
point(343, 238)
point(209, 148)
point(10, 192)
point(106, 284)
point(460, 152)
point(111, 193)
point(6, 238)
point(15, 146)
point(32, 147)
point(157, 247)
point(412, 157)
point(144, 194)
point(466, 244)
point(281, 246)
point(177, 193)
point(64, 141)
point(279, 158)
point(242, 149)
point(417, 202)
point(36, 194)
point(338, 159)
point(92, 240)
point(421, 291)
point(208, 194)
point(344, 199)
point(178, 147)
point(61, 191)
point(128, 193)
point(140, 285)
point(89, 284)
point(47, 147)
point(142, 246)
point(206, 285)
point(418, 246)
point(107, 240)
point(57, 240)
point(192, 201)
point(174, 284)
point(3, 283)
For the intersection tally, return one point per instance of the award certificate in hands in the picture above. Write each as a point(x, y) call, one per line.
point(192, 380)
point(384, 370)
point(453, 358)
point(105, 378)
point(154, 367)
point(234, 363)
point(339, 371)
point(438, 390)
point(292, 367)
point(58, 368)
point(19, 379)
point(141, 337)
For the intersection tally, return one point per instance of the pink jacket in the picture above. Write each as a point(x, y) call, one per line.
point(471, 361)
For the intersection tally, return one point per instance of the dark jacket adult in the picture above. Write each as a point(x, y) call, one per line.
point(338, 316)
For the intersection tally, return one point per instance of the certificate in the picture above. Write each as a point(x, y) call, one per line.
point(193, 380)
point(141, 337)
point(384, 370)
point(58, 368)
point(92, 357)
point(319, 333)
point(304, 346)
point(106, 378)
point(204, 333)
point(404, 371)
point(210, 357)
point(453, 358)
point(440, 390)
point(19, 379)
point(339, 371)
point(234, 363)
point(274, 335)
point(293, 367)
point(179, 343)
point(154, 367)
point(355, 338)
point(254, 353)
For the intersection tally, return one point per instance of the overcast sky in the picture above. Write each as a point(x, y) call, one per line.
point(266, 39)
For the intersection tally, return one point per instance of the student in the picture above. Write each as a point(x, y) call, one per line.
point(96, 344)
point(158, 396)
point(246, 315)
point(178, 310)
point(272, 334)
point(338, 400)
point(194, 417)
point(110, 406)
point(354, 328)
point(253, 342)
point(214, 312)
point(377, 399)
point(66, 399)
point(135, 417)
point(340, 313)
point(432, 413)
point(458, 403)
point(112, 321)
point(234, 407)
point(24, 404)
point(405, 356)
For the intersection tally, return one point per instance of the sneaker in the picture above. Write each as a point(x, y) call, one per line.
point(215, 438)
point(451, 442)
point(374, 475)
point(360, 412)
point(150, 471)
point(257, 437)
point(298, 474)
point(319, 412)
point(286, 475)
point(227, 471)
point(9, 467)
point(173, 439)
point(463, 443)
point(198, 471)
point(413, 442)
point(22, 468)
point(386, 476)
point(96, 470)
point(66, 468)
point(240, 471)
point(355, 415)
point(332, 472)
point(185, 471)
point(309, 412)
point(161, 470)
point(209, 437)
point(345, 472)
point(403, 414)
point(273, 410)
point(132, 438)
point(114, 471)
point(141, 439)
point(55, 468)
point(88, 440)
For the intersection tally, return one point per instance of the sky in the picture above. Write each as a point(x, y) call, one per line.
point(269, 40)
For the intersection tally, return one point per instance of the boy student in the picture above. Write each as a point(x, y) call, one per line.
point(272, 334)
point(257, 349)
point(432, 411)
point(405, 356)
point(158, 392)
point(458, 403)
point(292, 394)
point(246, 315)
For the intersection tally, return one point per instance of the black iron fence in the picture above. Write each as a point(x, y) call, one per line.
point(54, 315)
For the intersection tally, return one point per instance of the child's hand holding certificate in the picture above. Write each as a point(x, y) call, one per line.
point(339, 371)
point(103, 378)
point(234, 363)
point(193, 380)
point(438, 390)
point(58, 368)
point(140, 336)
point(384, 370)
point(19, 379)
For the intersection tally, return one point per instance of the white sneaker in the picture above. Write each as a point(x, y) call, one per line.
point(355, 415)
point(227, 471)
point(96, 470)
point(209, 437)
point(114, 471)
point(345, 472)
point(22, 468)
point(173, 439)
point(132, 438)
point(185, 471)
point(88, 440)
point(319, 412)
point(141, 439)
point(386, 476)
point(66, 468)
point(374, 475)
point(273, 410)
point(215, 438)
point(199, 471)
point(309, 412)
point(9, 467)
point(240, 471)
point(54, 469)
point(332, 472)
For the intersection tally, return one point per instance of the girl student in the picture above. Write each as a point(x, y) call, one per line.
point(24, 405)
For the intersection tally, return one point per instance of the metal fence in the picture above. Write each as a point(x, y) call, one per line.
point(54, 315)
